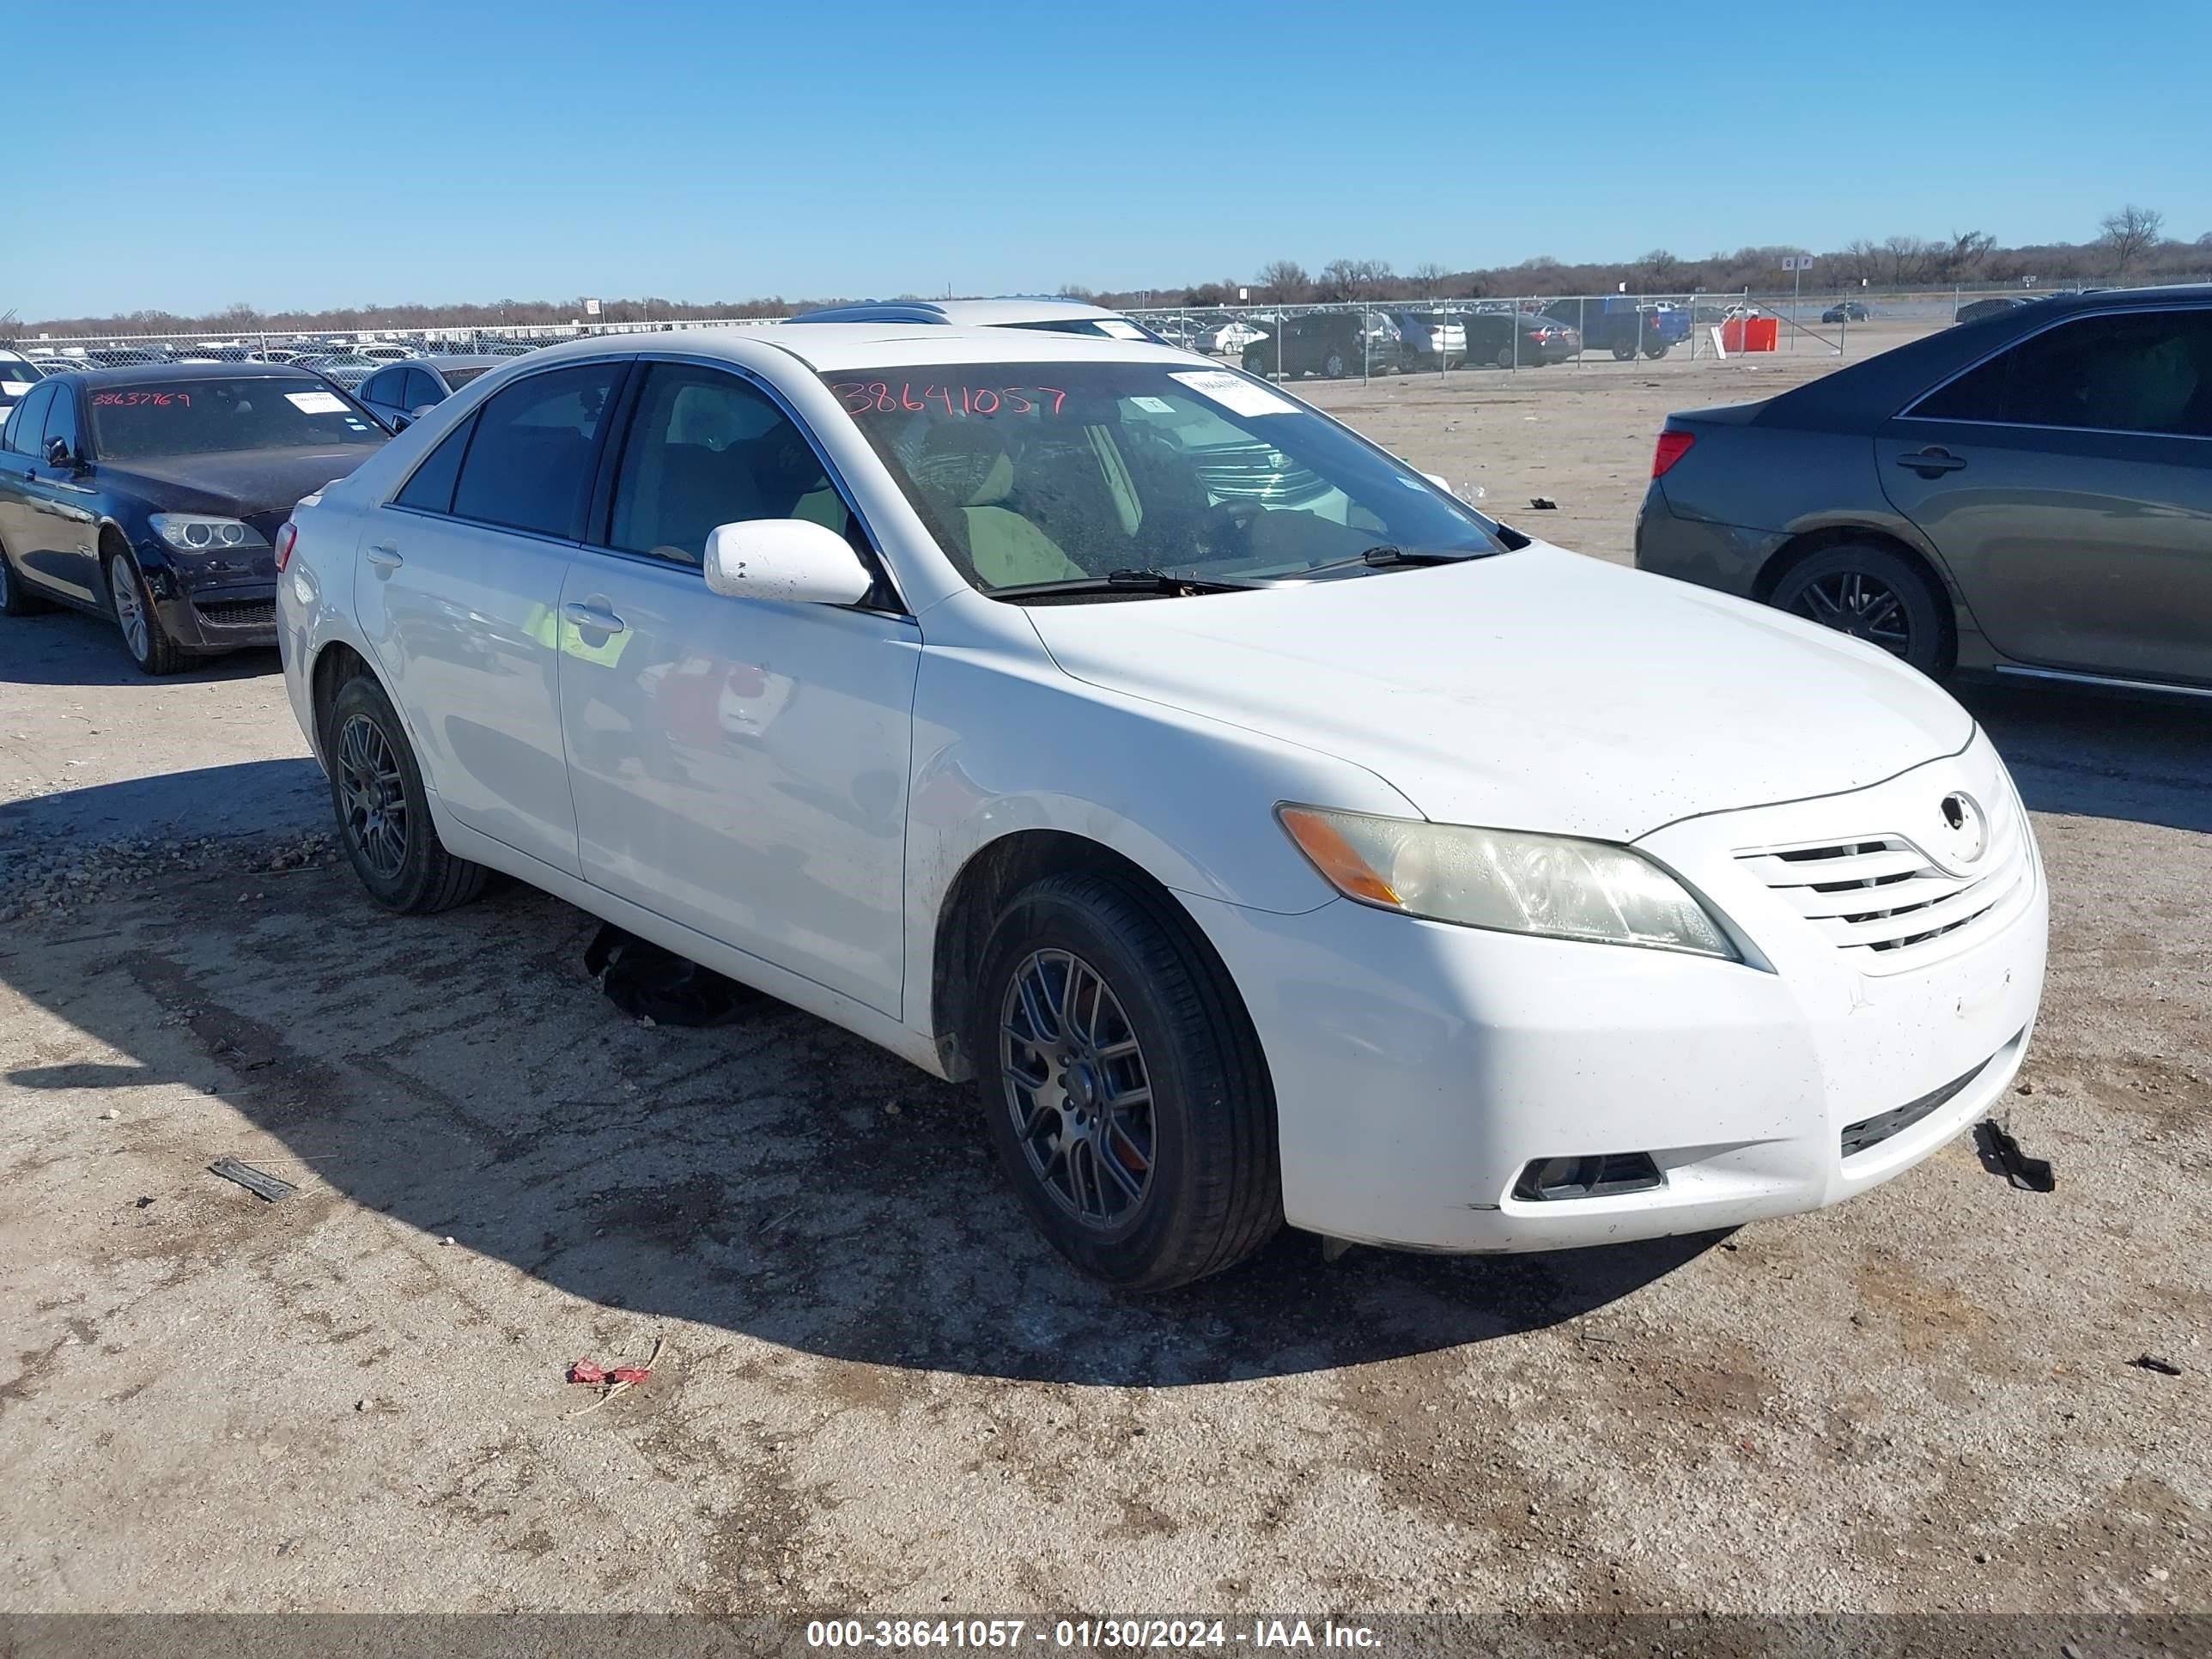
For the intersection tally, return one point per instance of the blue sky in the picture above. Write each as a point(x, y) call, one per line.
point(198, 154)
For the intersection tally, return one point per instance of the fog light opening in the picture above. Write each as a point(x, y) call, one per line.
point(1550, 1179)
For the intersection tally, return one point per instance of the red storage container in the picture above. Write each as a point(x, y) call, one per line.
point(1761, 334)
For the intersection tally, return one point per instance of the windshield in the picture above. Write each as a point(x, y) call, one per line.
point(1052, 472)
point(216, 416)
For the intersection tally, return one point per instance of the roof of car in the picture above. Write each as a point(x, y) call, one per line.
point(832, 347)
point(957, 313)
point(167, 374)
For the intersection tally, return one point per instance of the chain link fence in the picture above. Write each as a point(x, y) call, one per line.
point(1342, 340)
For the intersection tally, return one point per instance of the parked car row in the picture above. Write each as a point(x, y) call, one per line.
point(1333, 344)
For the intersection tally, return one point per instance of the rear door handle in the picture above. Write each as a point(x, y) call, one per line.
point(385, 556)
point(1931, 461)
point(591, 617)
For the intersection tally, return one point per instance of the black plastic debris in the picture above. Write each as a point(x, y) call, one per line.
point(1543, 504)
point(647, 983)
point(2000, 1151)
point(2151, 1362)
point(259, 1183)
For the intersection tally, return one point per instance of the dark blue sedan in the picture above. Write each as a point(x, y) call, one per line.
point(153, 495)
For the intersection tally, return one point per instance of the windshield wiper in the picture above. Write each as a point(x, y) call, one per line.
point(1386, 557)
point(1121, 581)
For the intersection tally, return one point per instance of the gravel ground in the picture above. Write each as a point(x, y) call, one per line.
point(877, 1393)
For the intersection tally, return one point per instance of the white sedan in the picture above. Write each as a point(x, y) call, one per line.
point(1326, 853)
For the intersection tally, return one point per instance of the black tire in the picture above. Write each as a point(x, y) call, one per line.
point(416, 876)
point(1659, 348)
point(1334, 366)
point(1505, 356)
point(1624, 354)
point(1873, 593)
point(1212, 1190)
point(131, 603)
point(15, 599)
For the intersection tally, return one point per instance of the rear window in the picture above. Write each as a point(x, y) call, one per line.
point(216, 416)
point(458, 377)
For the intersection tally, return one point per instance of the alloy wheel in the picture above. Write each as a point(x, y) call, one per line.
point(1077, 1088)
point(129, 610)
point(374, 796)
point(1864, 606)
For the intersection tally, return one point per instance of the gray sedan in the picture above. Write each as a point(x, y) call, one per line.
point(2029, 495)
point(400, 393)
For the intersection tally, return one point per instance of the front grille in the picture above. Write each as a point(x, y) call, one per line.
point(1884, 901)
point(237, 613)
point(1872, 1132)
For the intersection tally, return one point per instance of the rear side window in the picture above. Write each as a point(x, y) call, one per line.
point(431, 488)
point(530, 466)
point(420, 391)
point(2147, 371)
point(29, 420)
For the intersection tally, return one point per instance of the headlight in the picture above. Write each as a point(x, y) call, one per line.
point(194, 532)
point(1553, 886)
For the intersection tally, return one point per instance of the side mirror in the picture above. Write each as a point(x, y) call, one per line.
point(400, 423)
point(58, 452)
point(792, 560)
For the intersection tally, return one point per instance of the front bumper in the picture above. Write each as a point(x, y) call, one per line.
point(211, 611)
point(1420, 1068)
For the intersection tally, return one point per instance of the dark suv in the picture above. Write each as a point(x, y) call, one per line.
point(1332, 343)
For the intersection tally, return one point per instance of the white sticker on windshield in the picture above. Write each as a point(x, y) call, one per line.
point(1154, 405)
point(1114, 329)
point(316, 403)
point(14, 388)
point(1234, 393)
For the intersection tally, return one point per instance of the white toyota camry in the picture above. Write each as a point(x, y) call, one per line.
point(1270, 835)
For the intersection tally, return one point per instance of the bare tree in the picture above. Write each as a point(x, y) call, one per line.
point(1353, 279)
point(1283, 280)
point(1428, 279)
point(1076, 291)
point(1655, 268)
point(1909, 259)
point(2129, 233)
point(1860, 260)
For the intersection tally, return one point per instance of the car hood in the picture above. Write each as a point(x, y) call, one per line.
point(1539, 689)
point(242, 483)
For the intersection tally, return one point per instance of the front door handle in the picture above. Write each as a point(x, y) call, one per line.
point(385, 556)
point(590, 617)
point(1931, 461)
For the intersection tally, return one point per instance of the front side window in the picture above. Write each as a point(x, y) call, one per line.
point(29, 421)
point(706, 448)
point(1032, 473)
point(219, 415)
point(530, 465)
point(61, 423)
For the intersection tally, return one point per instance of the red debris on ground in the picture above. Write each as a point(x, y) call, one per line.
point(585, 1371)
point(628, 1374)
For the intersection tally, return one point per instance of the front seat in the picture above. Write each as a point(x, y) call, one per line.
point(966, 471)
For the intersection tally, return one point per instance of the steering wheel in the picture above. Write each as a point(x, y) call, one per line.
point(1225, 529)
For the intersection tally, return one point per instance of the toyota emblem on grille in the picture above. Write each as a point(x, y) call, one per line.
point(1966, 833)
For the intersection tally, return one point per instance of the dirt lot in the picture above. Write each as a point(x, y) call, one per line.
point(878, 1392)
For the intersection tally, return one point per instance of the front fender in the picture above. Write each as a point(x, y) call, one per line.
point(1005, 743)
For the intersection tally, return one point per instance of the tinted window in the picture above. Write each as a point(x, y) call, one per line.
point(421, 390)
point(1977, 395)
point(29, 420)
point(431, 488)
point(458, 377)
point(61, 423)
point(2147, 371)
point(379, 388)
point(529, 467)
point(706, 448)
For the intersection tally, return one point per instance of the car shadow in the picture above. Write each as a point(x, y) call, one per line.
point(64, 646)
point(2101, 755)
point(246, 798)
point(462, 1076)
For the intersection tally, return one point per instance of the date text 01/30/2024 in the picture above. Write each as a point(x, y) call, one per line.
point(1120, 1634)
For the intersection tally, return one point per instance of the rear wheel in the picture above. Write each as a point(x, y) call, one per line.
point(1874, 594)
point(1505, 356)
point(135, 619)
point(1658, 348)
point(383, 811)
point(16, 600)
point(1624, 354)
point(1334, 366)
point(1124, 1087)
